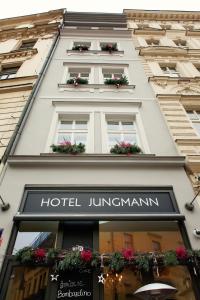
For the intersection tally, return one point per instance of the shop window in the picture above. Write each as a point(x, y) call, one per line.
point(180, 43)
point(29, 44)
point(120, 130)
point(122, 285)
point(72, 130)
point(194, 117)
point(36, 235)
point(170, 70)
point(83, 73)
point(8, 72)
point(153, 42)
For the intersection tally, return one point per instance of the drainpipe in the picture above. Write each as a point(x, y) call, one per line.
point(22, 120)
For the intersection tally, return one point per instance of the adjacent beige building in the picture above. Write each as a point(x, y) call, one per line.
point(25, 43)
point(168, 43)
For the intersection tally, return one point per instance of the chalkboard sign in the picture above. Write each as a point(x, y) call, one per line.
point(75, 284)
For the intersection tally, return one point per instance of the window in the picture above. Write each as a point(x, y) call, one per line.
point(27, 44)
point(142, 26)
point(8, 72)
point(120, 131)
point(75, 72)
point(153, 42)
point(170, 71)
point(165, 26)
point(112, 73)
point(84, 44)
point(180, 43)
point(194, 116)
point(73, 131)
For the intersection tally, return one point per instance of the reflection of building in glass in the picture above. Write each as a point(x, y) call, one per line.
point(43, 240)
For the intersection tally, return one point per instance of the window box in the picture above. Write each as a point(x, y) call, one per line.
point(68, 148)
point(109, 47)
point(80, 48)
point(125, 148)
point(117, 81)
point(77, 81)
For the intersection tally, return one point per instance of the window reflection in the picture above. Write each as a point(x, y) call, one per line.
point(36, 235)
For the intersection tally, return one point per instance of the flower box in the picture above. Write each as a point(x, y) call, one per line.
point(109, 47)
point(125, 148)
point(117, 81)
point(68, 148)
point(80, 48)
point(77, 81)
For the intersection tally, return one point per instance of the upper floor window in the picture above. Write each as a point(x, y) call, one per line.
point(170, 71)
point(81, 46)
point(165, 26)
point(142, 25)
point(195, 119)
point(74, 131)
point(29, 44)
point(153, 42)
point(120, 130)
point(75, 73)
point(8, 72)
point(112, 73)
point(180, 43)
point(109, 47)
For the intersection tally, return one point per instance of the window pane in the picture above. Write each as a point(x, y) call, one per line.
point(65, 125)
point(128, 126)
point(117, 75)
point(192, 115)
point(112, 125)
point(80, 138)
point(197, 127)
point(72, 75)
point(130, 138)
point(107, 75)
point(4, 76)
point(12, 75)
point(81, 125)
point(27, 283)
point(113, 139)
point(36, 235)
point(85, 75)
point(64, 138)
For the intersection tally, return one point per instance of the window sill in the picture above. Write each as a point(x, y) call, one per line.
point(93, 87)
point(91, 52)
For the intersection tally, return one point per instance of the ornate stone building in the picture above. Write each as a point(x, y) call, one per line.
point(25, 44)
point(168, 43)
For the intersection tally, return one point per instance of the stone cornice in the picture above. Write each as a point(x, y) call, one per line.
point(188, 141)
point(18, 53)
point(163, 51)
point(193, 163)
point(162, 15)
point(17, 84)
point(52, 159)
point(169, 79)
point(149, 30)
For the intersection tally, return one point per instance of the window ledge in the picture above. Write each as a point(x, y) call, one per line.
point(99, 52)
point(93, 87)
point(146, 160)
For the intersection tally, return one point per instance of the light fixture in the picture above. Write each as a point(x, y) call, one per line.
point(4, 206)
point(190, 205)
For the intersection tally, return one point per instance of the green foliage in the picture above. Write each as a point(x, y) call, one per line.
point(95, 259)
point(24, 255)
point(142, 262)
point(71, 261)
point(170, 258)
point(77, 81)
point(116, 263)
point(69, 148)
point(52, 254)
point(80, 48)
point(109, 47)
point(125, 148)
point(123, 80)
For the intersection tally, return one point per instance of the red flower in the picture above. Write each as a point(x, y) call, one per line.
point(86, 255)
point(181, 253)
point(39, 253)
point(128, 253)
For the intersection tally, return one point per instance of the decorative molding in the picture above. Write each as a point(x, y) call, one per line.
point(28, 53)
point(17, 84)
point(149, 30)
point(163, 51)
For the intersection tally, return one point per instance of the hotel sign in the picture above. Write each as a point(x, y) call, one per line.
point(99, 202)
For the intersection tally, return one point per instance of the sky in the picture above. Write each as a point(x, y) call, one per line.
point(12, 8)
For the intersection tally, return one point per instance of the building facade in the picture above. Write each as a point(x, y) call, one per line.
point(100, 99)
point(25, 43)
point(169, 46)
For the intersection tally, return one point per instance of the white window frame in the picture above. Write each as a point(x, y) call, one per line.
point(84, 43)
point(170, 71)
point(101, 43)
point(77, 69)
point(112, 71)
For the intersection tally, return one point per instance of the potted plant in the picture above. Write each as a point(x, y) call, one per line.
point(68, 148)
point(117, 81)
point(125, 148)
point(109, 47)
point(81, 48)
point(77, 80)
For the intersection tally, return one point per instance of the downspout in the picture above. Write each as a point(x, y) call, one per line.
point(22, 120)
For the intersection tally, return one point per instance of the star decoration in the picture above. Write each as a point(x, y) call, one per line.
point(101, 279)
point(54, 277)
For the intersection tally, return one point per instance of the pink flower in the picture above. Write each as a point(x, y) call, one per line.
point(128, 253)
point(65, 143)
point(86, 255)
point(39, 253)
point(181, 253)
